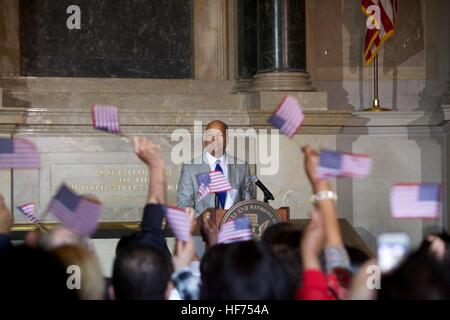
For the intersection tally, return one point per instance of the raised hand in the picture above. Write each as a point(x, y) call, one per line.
point(209, 230)
point(185, 254)
point(149, 152)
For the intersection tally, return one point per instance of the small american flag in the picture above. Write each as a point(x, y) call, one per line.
point(180, 222)
point(337, 164)
point(28, 210)
point(409, 200)
point(106, 118)
point(236, 230)
point(288, 116)
point(211, 182)
point(75, 212)
point(18, 153)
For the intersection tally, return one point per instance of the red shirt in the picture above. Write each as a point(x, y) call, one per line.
point(318, 286)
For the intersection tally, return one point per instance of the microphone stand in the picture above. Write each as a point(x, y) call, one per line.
point(268, 197)
point(216, 201)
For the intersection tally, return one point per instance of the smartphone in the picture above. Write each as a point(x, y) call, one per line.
point(391, 249)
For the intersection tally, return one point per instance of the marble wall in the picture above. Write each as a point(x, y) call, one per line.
point(136, 39)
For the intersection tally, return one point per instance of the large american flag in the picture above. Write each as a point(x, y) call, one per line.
point(288, 116)
point(378, 30)
point(211, 182)
point(18, 153)
point(106, 118)
point(179, 221)
point(77, 213)
point(410, 200)
point(337, 164)
point(235, 230)
point(28, 210)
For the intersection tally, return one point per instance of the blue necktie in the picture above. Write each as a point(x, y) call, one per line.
point(222, 195)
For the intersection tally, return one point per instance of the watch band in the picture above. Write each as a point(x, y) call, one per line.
point(323, 195)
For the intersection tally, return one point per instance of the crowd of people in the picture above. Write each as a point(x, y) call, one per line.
point(287, 263)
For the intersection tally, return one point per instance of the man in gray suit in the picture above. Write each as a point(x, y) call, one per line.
point(214, 158)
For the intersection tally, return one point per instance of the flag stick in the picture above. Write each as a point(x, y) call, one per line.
point(125, 138)
point(376, 106)
point(42, 228)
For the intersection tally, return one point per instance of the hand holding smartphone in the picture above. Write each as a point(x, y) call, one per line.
point(391, 249)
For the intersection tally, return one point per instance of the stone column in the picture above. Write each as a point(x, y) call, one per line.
point(281, 49)
point(9, 38)
point(446, 96)
point(214, 43)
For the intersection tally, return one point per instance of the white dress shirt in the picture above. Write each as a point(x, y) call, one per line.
point(212, 161)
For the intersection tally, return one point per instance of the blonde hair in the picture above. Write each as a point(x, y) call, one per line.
point(92, 280)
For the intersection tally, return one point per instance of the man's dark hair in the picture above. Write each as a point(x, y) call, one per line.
point(419, 277)
point(141, 274)
point(242, 271)
point(29, 273)
point(125, 243)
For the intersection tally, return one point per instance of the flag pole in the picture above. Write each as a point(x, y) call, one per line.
point(376, 106)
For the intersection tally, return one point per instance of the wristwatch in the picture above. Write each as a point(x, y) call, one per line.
point(323, 195)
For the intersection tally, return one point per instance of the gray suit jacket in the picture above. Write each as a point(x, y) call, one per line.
point(238, 176)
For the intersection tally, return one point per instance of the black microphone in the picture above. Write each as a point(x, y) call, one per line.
point(267, 194)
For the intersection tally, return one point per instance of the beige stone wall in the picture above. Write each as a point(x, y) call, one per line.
point(414, 63)
point(336, 41)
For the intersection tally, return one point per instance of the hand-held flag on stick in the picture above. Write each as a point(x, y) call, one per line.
point(236, 230)
point(337, 164)
point(18, 153)
point(211, 182)
point(287, 117)
point(410, 200)
point(180, 222)
point(77, 213)
point(106, 118)
point(380, 25)
point(28, 210)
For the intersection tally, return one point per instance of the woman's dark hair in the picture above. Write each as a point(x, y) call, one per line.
point(33, 273)
point(283, 240)
point(425, 248)
point(283, 233)
point(419, 277)
point(242, 271)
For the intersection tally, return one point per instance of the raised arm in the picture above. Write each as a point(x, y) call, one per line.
point(6, 220)
point(151, 233)
point(337, 261)
point(326, 207)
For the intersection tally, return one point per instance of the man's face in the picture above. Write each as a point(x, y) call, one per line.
point(216, 139)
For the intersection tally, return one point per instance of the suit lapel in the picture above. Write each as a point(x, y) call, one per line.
point(232, 175)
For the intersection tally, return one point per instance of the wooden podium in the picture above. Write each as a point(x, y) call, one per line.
point(217, 216)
